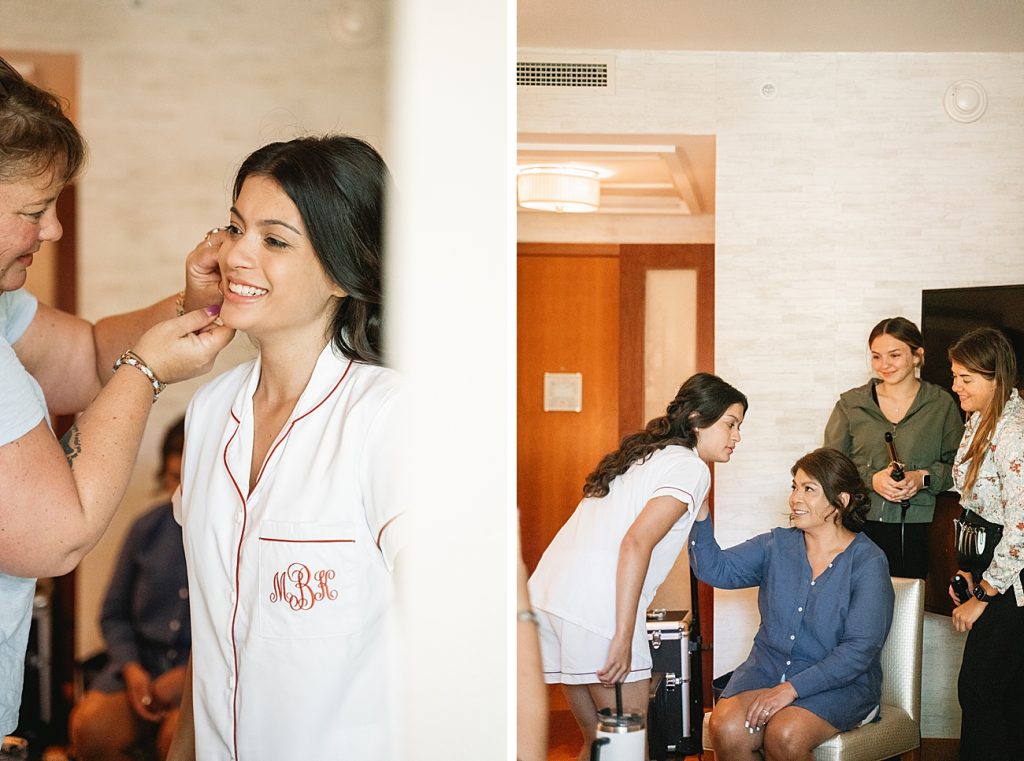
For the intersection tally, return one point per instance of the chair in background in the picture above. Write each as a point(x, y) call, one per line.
point(898, 732)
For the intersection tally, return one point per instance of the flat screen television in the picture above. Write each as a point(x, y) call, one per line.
point(948, 313)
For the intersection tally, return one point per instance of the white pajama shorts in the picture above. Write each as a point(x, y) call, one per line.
point(570, 654)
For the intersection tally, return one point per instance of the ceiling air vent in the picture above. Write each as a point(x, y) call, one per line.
point(586, 75)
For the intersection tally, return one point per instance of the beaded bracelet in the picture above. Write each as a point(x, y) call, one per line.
point(527, 616)
point(133, 359)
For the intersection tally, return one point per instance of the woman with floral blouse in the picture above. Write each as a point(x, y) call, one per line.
point(989, 474)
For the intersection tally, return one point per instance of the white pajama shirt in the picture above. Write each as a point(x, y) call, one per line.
point(577, 575)
point(291, 584)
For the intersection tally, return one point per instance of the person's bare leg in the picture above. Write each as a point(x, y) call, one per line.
point(103, 727)
point(734, 741)
point(166, 733)
point(793, 733)
point(183, 743)
point(585, 713)
point(635, 698)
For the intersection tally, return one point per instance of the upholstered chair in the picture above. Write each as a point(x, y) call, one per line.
point(898, 732)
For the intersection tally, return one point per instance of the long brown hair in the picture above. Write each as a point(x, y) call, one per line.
point(988, 353)
point(700, 401)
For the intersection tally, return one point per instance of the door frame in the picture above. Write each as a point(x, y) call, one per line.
point(635, 260)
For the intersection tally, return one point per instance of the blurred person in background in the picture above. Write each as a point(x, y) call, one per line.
point(134, 700)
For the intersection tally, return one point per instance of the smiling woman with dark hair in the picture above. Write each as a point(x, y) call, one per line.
point(826, 602)
point(288, 503)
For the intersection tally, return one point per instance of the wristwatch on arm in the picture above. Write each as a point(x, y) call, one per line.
point(981, 594)
point(926, 480)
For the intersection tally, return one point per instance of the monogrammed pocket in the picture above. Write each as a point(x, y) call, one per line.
point(312, 580)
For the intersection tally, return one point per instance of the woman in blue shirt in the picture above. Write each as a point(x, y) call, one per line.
point(145, 619)
point(825, 600)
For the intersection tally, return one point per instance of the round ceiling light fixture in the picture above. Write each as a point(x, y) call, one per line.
point(559, 188)
point(965, 101)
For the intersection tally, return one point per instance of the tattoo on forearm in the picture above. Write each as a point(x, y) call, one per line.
point(72, 443)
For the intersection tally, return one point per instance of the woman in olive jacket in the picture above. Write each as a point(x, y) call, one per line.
point(926, 429)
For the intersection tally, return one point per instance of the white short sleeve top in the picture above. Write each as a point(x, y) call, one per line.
point(575, 578)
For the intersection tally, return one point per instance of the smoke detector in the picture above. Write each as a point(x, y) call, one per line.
point(965, 101)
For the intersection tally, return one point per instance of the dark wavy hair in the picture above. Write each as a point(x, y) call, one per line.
point(337, 183)
point(700, 401)
point(987, 352)
point(901, 329)
point(837, 475)
point(35, 134)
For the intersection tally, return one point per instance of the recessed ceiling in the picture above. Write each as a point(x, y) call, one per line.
point(774, 25)
point(640, 174)
point(675, 174)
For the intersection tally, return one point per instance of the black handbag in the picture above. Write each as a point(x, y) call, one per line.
point(976, 540)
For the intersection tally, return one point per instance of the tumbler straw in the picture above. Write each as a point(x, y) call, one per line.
point(618, 698)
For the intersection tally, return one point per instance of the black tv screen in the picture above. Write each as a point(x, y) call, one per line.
point(948, 313)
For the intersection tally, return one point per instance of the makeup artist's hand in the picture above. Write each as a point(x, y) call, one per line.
point(184, 347)
point(202, 272)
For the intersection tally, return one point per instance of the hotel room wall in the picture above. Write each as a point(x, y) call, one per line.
point(838, 201)
point(172, 97)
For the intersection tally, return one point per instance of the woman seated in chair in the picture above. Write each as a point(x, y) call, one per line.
point(826, 604)
point(132, 705)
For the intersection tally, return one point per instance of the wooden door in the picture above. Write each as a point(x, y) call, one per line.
point(581, 309)
point(568, 321)
point(637, 261)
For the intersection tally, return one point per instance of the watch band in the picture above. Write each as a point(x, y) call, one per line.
point(981, 594)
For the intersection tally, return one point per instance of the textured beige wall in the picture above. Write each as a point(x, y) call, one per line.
point(838, 201)
point(173, 95)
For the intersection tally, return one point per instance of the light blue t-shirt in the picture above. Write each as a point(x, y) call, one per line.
point(22, 406)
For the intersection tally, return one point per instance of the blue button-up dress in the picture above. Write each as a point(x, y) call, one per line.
point(823, 635)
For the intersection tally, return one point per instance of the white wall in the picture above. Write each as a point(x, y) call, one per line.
point(837, 202)
point(450, 232)
point(172, 96)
